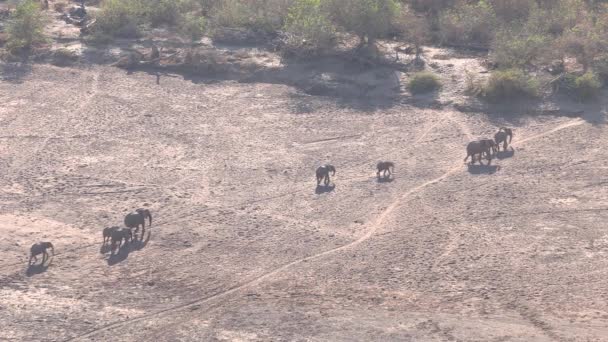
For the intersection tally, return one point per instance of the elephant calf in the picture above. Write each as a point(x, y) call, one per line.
point(323, 173)
point(40, 248)
point(385, 167)
point(120, 235)
point(107, 234)
point(501, 137)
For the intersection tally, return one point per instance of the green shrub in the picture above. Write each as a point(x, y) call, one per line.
point(368, 19)
point(64, 57)
point(517, 49)
point(308, 25)
point(26, 26)
point(600, 67)
point(193, 26)
point(265, 15)
point(587, 86)
point(423, 82)
point(119, 18)
point(510, 84)
point(468, 24)
point(584, 87)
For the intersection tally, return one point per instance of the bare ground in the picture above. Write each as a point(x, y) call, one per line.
point(245, 248)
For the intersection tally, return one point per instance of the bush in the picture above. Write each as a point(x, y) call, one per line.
point(118, 18)
point(64, 57)
point(368, 19)
point(307, 25)
point(510, 84)
point(600, 67)
point(517, 49)
point(25, 27)
point(587, 86)
point(584, 87)
point(423, 82)
point(468, 24)
point(192, 26)
point(264, 15)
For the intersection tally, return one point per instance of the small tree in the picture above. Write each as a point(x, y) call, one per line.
point(368, 19)
point(585, 42)
point(415, 29)
point(26, 26)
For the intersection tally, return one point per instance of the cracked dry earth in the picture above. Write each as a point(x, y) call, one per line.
point(243, 249)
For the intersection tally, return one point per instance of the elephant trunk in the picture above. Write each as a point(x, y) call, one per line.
point(149, 216)
point(52, 248)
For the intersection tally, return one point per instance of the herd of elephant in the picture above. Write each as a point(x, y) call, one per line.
point(487, 146)
point(120, 236)
point(478, 148)
point(116, 236)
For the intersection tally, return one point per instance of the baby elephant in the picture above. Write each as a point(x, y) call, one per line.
point(501, 137)
point(107, 234)
point(385, 167)
point(120, 235)
point(40, 248)
point(323, 173)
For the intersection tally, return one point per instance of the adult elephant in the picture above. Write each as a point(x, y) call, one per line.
point(138, 218)
point(479, 148)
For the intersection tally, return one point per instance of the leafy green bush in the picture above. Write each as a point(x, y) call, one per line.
point(119, 18)
point(368, 19)
point(600, 67)
point(517, 49)
point(423, 82)
point(26, 26)
point(308, 24)
point(584, 87)
point(587, 86)
point(193, 26)
point(468, 24)
point(510, 84)
point(265, 15)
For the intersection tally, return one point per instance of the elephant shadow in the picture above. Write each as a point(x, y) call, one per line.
point(505, 154)
point(120, 256)
point(34, 269)
point(324, 189)
point(388, 179)
point(476, 169)
point(137, 244)
point(105, 248)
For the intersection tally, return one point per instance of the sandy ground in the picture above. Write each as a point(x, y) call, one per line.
point(244, 247)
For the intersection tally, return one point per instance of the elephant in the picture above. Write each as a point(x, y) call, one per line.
point(491, 143)
point(138, 218)
point(40, 248)
point(501, 137)
point(385, 166)
point(323, 173)
point(478, 147)
point(120, 235)
point(107, 233)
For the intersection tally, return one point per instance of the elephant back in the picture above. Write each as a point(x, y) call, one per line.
point(132, 220)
